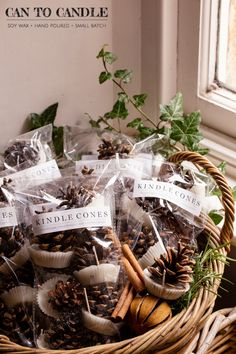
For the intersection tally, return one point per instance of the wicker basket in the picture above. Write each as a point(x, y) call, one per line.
point(175, 334)
point(217, 336)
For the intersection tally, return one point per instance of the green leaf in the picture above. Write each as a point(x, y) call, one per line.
point(49, 114)
point(186, 130)
point(124, 74)
point(109, 57)
point(119, 110)
point(57, 135)
point(122, 97)
point(35, 121)
point(135, 123)
point(234, 192)
point(144, 132)
point(174, 110)
point(101, 53)
point(104, 76)
point(215, 216)
point(222, 167)
point(139, 100)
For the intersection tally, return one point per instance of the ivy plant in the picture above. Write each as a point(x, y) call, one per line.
point(48, 116)
point(181, 130)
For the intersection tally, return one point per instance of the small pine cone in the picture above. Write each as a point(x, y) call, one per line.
point(69, 334)
point(17, 324)
point(109, 148)
point(11, 240)
point(56, 242)
point(66, 296)
point(102, 299)
point(76, 196)
point(102, 240)
point(139, 241)
point(21, 151)
point(175, 266)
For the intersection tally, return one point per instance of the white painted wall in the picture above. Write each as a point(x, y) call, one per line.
point(40, 66)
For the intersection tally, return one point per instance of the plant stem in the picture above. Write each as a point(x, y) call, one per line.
point(108, 124)
point(130, 100)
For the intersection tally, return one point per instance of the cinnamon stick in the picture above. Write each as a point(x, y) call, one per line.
point(134, 279)
point(124, 309)
point(133, 261)
point(121, 300)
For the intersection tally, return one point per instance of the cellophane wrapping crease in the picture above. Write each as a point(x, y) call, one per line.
point(34, 147)
point(16, 272)
point(162, 210)
point(77, 261)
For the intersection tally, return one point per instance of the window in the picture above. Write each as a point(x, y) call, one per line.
point(203, 71)
point(226, 46)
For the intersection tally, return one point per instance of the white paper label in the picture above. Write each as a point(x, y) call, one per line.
point(128, 167)
point(170, 192)
point(89, 157)
point(7, 217)
point(62, 220)
point(44, 207)
point(45, 171)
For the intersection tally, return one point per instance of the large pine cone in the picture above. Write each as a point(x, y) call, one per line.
point(66, 296)
point(109, 148)
point(175, 266)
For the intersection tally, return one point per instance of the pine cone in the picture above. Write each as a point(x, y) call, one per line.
point(109, 148)
point(66, 296)
point(57, 241)
point(17, 324)
point(103, 240)
point(140, 241)
point(11, 240)
point(21, 151)
point(174, 267)
point(76, 196)
point(102, 299)
point(69, 334)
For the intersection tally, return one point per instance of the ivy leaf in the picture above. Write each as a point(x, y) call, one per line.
point(186, 130)
point(234, 192)
point(119, 110)
point(104, 76)
point(49, 114)
point(222, 167)
point(135, 123)
point(35, 121)
point(124, 74)
point(123, 97)
point(101, 53)
point(57, 135)
point(145, 132)
point(215, 216)
point(139, 100)
point(108, 57)
point(174, 110)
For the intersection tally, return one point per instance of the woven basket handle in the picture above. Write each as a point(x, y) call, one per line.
point(227, 197)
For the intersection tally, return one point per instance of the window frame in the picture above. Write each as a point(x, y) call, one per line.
point(197, 38)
